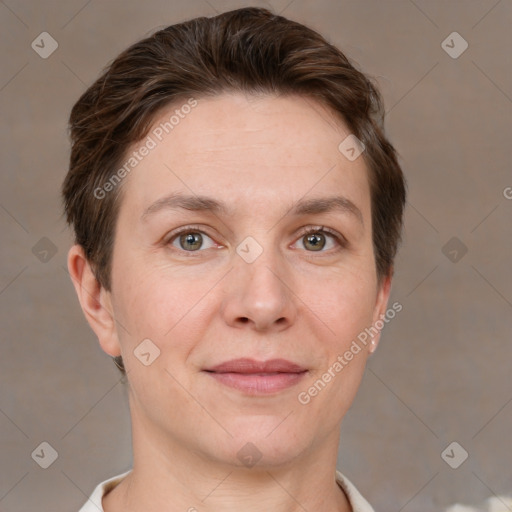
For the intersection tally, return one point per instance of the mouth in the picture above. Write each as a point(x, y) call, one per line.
point(257, 377)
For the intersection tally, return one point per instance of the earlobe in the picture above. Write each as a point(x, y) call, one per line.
point(380, 310)
point(94, 300)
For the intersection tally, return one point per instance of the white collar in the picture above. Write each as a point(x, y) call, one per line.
point(94, 504)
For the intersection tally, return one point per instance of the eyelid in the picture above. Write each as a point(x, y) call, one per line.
point(185, 229)
point(340, 239)
point(192, 228)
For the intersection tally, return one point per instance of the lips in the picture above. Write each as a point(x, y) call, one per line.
point(257, 377)
point(250, 366)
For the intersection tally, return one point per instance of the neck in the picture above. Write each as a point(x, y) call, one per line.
point(168, 477)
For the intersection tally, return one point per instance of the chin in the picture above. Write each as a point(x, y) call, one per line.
point(264, 448)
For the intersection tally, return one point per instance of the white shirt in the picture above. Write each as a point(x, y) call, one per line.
point(94, 504)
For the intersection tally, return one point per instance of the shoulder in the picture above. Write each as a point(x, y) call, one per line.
point(94, 503)
point(359, 504)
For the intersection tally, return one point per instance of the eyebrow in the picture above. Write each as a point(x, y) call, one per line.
point(303, 206)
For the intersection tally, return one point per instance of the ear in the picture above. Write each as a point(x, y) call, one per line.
point(379, 312)
point(95, 301)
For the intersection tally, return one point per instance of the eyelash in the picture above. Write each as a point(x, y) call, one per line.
point(341, 240)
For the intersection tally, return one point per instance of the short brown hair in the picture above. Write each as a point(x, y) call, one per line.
point(249, 50)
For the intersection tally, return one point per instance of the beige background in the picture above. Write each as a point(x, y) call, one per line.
point(442, 371)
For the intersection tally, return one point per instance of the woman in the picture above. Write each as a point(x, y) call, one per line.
point(237, 210)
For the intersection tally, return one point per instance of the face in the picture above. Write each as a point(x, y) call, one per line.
point(243, 252)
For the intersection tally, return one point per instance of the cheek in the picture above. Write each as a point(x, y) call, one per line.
point(347, 310)
point(346, 305)
point(161, 306)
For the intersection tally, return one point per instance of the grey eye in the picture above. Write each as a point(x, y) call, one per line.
point(315, 240)
point(191, 241)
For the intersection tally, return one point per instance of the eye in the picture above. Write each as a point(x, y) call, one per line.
point(315, 239)
point(190, 239)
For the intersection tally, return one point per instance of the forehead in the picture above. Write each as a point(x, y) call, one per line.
point(246, 149)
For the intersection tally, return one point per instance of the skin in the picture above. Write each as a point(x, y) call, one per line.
point(259, 155)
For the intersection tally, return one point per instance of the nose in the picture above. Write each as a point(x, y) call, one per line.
point(260, 295)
